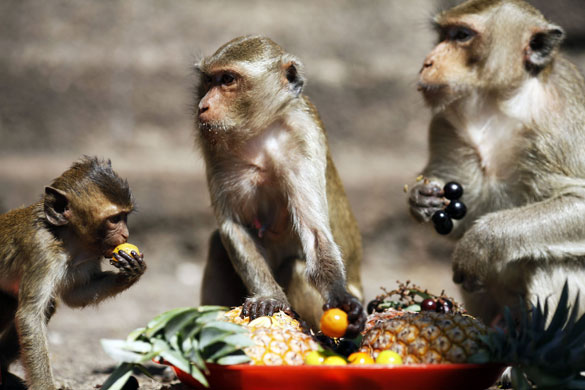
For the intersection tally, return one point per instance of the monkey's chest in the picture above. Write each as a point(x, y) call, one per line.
point(259, 203)
point(498, 142)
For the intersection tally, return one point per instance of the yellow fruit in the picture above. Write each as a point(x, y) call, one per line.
point(334, 323)
point(279, 339)
point(126, 247)
point(360, 358)
point(314, 358)
point(334, 361)
point(425, 337)
point(388, 357)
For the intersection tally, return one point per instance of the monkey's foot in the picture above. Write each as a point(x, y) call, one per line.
point(263, 306)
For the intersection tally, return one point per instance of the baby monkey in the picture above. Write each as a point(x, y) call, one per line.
point(53, 250)
point(287, 238)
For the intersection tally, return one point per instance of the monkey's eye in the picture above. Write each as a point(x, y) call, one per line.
point(115, 219)
point(460, 34)
point(227, 79)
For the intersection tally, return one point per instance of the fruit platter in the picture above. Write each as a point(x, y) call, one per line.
point(412, 340)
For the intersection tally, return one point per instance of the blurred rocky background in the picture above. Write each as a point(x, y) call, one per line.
point(114, 79)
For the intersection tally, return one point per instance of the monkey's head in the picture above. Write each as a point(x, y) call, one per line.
point(243, 87)
point(492, 46)
point(92, 202)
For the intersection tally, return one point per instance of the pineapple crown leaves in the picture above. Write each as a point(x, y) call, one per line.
point(545, 354)
point(187, 338)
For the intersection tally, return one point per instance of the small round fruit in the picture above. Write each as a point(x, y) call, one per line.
point(360, 358)
point(444, 306)
point(428, 304)
point(388, 357)
point(456, 209)
point(126, 247)
point(334, 361)
point(453, 190)
point(314, 358)
point(334, 323)
point(442, 222)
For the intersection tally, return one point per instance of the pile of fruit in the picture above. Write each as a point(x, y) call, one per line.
point(407, 325)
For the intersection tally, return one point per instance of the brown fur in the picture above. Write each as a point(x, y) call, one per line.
point(286, 231)
point(52, 250)
point(510, 127)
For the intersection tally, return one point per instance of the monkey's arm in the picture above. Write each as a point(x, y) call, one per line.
point(98, 285)
point(551, 230)
point(325, 268)
point(251, 266)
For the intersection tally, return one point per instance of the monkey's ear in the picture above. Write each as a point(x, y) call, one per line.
point(542, 47)
point(56, 203)
point(292, 69)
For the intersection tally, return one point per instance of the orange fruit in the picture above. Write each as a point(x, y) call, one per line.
point(126, 247)
point(334, 323)
point(360, 358)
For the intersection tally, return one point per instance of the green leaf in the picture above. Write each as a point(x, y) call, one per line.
point(122, 351)
point(119, 377)
point(239, 340)
point(135, 334)
point(177, 323)
point(181, 363)
point(226, 327)
point(211, 336)
point(160, 321)
point(234, 359)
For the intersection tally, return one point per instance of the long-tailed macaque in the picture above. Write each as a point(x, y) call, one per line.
point(52, 250)
point(287, 238)
point(509, 125)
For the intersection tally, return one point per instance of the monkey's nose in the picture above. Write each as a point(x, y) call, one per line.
point(203, 109)
point(427, 64)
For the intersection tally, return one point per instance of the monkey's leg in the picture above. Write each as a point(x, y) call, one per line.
point(221, 284)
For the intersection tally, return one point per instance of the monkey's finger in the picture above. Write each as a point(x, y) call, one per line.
point(125, 255)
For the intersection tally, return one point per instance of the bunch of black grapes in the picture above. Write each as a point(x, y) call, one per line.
point(442, 219)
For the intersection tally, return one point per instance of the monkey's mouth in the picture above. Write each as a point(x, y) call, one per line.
point(433, 93)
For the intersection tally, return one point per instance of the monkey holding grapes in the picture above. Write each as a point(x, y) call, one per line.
point(52, 250)
point(287, 239)
point(509, 125)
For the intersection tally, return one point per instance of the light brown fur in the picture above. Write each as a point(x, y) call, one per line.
point(509, 125)
point(287, 237)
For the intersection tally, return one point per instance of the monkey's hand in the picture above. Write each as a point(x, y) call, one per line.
point(476, 256)
point(424, 199)
point(264, 306)
point(131, 266)
point(356, 315)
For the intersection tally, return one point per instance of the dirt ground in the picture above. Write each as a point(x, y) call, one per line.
point(114, 79)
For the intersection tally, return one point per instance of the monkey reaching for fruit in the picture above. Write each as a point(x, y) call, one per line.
point(509, 125)
point(287, 238)
point(52, 250)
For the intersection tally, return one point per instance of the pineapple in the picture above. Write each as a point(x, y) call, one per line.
point(279, 339)
point(425, 337)
point(421, 327)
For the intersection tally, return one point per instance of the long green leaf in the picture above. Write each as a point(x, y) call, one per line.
point(234, 359)
point(160, 321)
point(176, 324)
point(181, 363)
point(119, 377)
